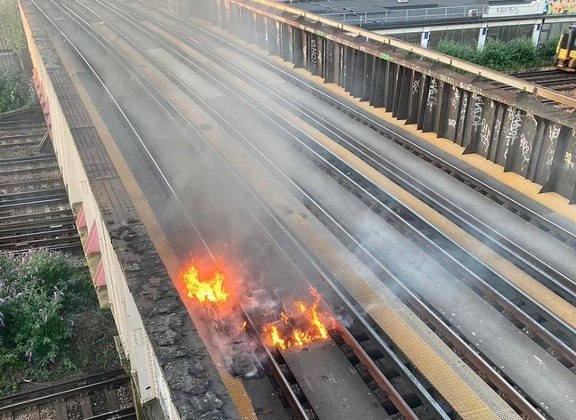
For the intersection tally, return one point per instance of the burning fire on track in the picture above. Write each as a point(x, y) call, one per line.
point(209, 289)
point(297, 328)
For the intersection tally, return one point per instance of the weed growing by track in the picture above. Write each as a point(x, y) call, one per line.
point(518, 54)
point(16, 90)
point(50, 323)
point(12, 33)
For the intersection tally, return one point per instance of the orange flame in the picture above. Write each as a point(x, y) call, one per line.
point(210, 290)
point(296, 329)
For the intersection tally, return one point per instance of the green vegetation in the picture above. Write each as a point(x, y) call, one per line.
point(515, 55)
point(16, 91)
point(50, 322)
point(11, 25)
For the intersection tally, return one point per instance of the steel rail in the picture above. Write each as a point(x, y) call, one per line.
point(19, 171)
point(377, 374)
point(20, 136)
point(42, 235)
point(420, 390)
point(97, 377)
point(415, 49)
point(562, 348)
point(476, 360)
point(63, 394)
point(299, 409)
point(15, 196)
point(5, 220)
point(46, 221)
point(63, 246)
point(47, 183)
point(25, 160)
point(387, 350)
point(121, 413)
point(51, 200)
point(290, 395)
point(45, 226)
point(471, 355)
point(550, 339)
point(562, 287)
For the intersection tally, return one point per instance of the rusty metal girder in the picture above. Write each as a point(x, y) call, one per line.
point(513, 129)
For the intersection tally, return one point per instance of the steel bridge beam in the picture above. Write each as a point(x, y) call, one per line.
point(524, 128)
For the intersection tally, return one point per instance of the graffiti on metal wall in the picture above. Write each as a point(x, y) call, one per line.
point(560, 7)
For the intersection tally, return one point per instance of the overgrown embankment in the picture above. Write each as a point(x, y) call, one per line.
point(16, 89)
point(51, 326)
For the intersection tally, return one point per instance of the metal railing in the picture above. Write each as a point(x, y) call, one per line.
point(407, 15)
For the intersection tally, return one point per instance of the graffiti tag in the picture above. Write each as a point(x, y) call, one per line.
point(525, 150)
point(432, 92)
point(568, 160)
point(313, 52)
point(455, 97)
point(415, 86)
point(512, 134)
point(477, 115)
point(485, 134)
point(553, 134)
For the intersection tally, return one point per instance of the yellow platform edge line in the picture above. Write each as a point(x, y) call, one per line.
point(234, 385)
point(528, 284)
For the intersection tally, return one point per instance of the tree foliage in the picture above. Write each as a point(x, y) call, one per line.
point(515, 55)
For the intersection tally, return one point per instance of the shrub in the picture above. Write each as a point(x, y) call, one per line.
point(458, 50)
point(522, 53)
point(495, 55)
point(40, 295)
point(503, 56)
point(547, 50)
point(16, 91)
point(11, 25)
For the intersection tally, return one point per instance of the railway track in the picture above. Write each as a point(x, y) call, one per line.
point(552, 78)
point(357, 114)
point(470, 270)
point(473, 271)
point(34, 207)
point(395, 366)
point(438, 321)
point(100, 396)
point(559, 282)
